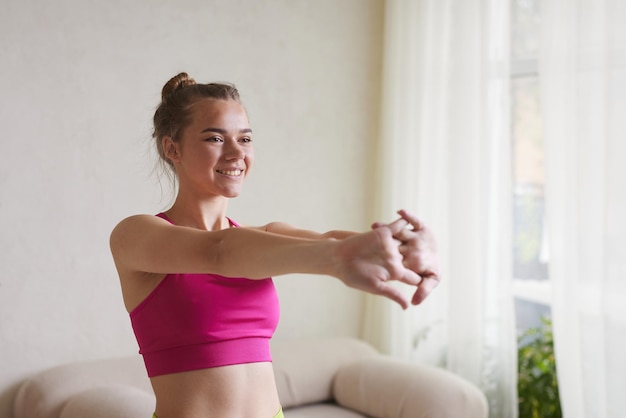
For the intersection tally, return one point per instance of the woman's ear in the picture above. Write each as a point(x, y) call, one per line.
point(171, 149)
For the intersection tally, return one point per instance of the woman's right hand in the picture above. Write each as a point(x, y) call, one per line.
point(370, 261)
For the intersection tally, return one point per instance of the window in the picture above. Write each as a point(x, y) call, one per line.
point(538, 393)
point(530, 256)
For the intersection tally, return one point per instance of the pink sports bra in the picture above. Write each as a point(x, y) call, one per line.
point(198, 321)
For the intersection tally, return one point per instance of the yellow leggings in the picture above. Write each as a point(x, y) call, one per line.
point(278, 415)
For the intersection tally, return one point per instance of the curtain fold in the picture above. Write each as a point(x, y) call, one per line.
point(583, 85)
point(445, 154)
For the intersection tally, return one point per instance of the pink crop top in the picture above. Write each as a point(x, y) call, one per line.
point(198, 321)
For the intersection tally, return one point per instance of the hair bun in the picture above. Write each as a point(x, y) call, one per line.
point(178, 82)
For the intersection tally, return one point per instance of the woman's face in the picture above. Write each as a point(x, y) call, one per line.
point(215, 152)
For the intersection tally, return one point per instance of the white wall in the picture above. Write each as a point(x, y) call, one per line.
point(79, 81)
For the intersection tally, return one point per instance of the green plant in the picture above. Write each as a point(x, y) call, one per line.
point(537, 386)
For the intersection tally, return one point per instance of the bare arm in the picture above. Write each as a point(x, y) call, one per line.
point(149, 244)
point(291, 231)
point(366, 261)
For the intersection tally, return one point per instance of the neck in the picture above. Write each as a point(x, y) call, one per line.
point(208, 214)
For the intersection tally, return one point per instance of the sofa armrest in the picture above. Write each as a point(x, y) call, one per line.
point(119, 401)
point(382, 387)
point(45, 394)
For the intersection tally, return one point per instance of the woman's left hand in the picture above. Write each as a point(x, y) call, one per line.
point(418, 247)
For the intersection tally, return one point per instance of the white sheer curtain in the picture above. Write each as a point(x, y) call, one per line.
point(444, 154)
point(583, 81)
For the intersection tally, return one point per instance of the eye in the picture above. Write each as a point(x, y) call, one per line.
point(214, 139)
point(246, 139)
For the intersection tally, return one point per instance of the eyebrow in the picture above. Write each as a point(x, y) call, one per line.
point(223, 131)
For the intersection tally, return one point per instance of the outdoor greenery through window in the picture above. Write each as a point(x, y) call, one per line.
point(537, 388)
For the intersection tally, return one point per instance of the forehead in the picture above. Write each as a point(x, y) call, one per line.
point(227, 114)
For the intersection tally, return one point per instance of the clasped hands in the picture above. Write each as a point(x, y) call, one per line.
point(404, 250)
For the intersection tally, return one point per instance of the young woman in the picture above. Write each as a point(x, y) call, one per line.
point(198, 286)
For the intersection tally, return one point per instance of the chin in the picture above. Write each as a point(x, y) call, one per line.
point(231, 194)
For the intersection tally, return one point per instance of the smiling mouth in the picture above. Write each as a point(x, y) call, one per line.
point(230, 172)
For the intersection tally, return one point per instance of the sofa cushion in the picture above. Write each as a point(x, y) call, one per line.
point(322, 410)
point(305, 369)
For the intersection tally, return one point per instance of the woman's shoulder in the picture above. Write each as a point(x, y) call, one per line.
point(133, 225)
point(140, 220)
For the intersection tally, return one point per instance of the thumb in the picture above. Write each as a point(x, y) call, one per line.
point(423, 290)
point(377, 225)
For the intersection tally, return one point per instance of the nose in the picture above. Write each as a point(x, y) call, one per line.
point(234, 151)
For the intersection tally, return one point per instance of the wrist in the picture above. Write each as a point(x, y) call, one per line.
point(330, 259)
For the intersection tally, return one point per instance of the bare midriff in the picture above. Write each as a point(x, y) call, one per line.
point(242, 390)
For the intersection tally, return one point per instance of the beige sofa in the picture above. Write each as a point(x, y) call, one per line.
point(335, 378)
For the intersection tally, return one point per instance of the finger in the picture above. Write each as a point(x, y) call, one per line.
point(397, 226)
point(394, 294)
point(425, 288)
point(410, 277)
point(405, 235)
point(416, 222)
